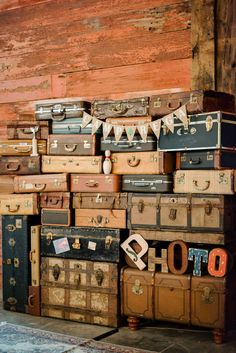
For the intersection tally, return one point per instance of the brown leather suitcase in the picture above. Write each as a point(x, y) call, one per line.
point(24, 130)
point(100, 200)
point(56, 217)
point(73, 145)
point(21, 147)
point(6, 184)
point(34, 303)
point(72, 164)
point(172, 297)
point(38, 183)
point(140, 162)
point(100, 218)
point(79, 290)
point(20, 165)
point(61, 111)
point(34, 255)
point(55, 199)
point(95, 183)
point(196, 102)
point(21, 204)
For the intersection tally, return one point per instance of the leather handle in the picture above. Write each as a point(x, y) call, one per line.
point(173, 108)
point(39, 187)
point(78, 127)
point(140, 183)
point(26, 131)
point(203, 188)
point(70, 148)
point(99, 221)
point(12, 169)
point(22, 149)
point(91, 183)
point(13, 209)
point(30, 299)
point(195, 161)
point(54, 202)
point(119, 108)
point(133, 162)
point(31, 256)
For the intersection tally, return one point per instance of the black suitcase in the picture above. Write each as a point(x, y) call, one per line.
point(123, 145)
point(147, 183)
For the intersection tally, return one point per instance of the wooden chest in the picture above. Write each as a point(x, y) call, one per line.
point(77, 290)
point(73, 145)
point(100, 218)
point(23, 130)
point(20, 165)
point(21, 147)
point(22, 204)
point(42, 182)
point(104, 200)
point(55, 199)
point(6, 184)
point(61, 111)
point(73, 164)
point(95, 183)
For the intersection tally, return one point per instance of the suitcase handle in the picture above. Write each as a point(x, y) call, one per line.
point(78, 127)
point(30, 298)
point(133, 162)
point(174, 108)
point(100, 221)
point(26, 131)
point(22, 149)
point(58, 112)
point(140, 183)
point(39, 187)
point(195, 161)
point(12, 169)
point(13, 209)
point(70, 148)
point(207, 184)
point(120, 108)
point(91, 183)
point(53, 201)
point(31, 256)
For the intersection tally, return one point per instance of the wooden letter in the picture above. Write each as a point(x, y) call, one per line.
point(136, 258)
point(153, 260)
point(217, 269)
point(181, 258)
point(200, 255)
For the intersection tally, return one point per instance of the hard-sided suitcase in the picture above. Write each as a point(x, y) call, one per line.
point(95, 183)
point(57, 217)
point(100, 200)
point(197, 101)
point(34, 303)
point(172, 297)
point(129, 121)
point(124, 145)
point(21, 147)
point(73, 145)
point(73, 126)
point(55, 199)
point(15, 261)
point(138, 162)
point(34, 254)
point(6, 184)
point(20, 165)
point(116, 108)
point(212, 159)
point(214, 130)
point(205, 181)
point(84, 291)
point(84, 243)
point(61, 111)
point(24, 130)
point(147, 183)
point(39, 183)
point(74, 164)
point(100, 218)
point(21, 204)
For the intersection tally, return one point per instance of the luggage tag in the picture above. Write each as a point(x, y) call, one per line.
point(61, 245)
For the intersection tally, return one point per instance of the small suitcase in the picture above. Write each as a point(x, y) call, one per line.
point(55, 199)
point(34, 255)
point(21, 147)
point(100, 218)
point(95, 183)
point(147, 183)
point(39, 183)
point(21, 204)
point(56, 217)
point(73, 145)
point(34, 303)
point(24, 130)
point(124, 145)
point(104, 200)
point(6, 184)
point(61, 111)
point(20, 165)
point(73, 126)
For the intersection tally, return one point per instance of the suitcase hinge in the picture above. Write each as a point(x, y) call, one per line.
point(207, 298)
point(76, 245)
point(137, 288)
point(56, 272)
point(99, 275)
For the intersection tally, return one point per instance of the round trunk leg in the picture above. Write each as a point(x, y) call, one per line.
point(133, 323)
point(218, 335)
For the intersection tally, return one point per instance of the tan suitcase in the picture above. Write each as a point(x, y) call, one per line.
point(142, 163)
point(95, 182)
point(35, 255)
point(39, 183)
point(6, 184)
point(22, 204)
point(110, 200)
point(100, 218)
point(76, 164)
point(21, 147)
point(23, 130)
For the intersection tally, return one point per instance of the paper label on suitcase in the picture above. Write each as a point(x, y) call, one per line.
point(61, 245)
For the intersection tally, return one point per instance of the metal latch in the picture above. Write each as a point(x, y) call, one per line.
point(207, 298)
point(99, 275)
point(172, 214)
point(140, 206)
point(208, 208)
point(137, 288)
point(76, 244)
point(209, 123)
point(108, 241)
point(56, 272)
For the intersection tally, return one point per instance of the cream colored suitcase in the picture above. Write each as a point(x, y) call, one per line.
point(35, 255)
point(21, 204)
point(21, 147)
point(204, 181)
point(76, 164)
point(39, 183)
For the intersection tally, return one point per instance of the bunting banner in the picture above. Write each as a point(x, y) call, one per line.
point(96, 123)
point(86, 120)
point(106, 129)
point(130, 132)
point(168, 120)
point(156, 127)
point(143, 131)
point(181, 114)
point(118, 131)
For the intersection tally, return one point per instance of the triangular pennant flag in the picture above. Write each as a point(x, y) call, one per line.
point(96, 123)
point(181, 114)
point(130, 132)
point(106, 129)
point(168, 120)
point(143, 131)
point(118, 131)
point(156, 127)
point(86, 119)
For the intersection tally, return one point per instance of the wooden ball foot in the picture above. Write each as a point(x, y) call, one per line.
point(133, 323)
point(218, 335)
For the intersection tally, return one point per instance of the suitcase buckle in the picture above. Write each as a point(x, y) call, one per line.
point(99, 275)
point(207, 298)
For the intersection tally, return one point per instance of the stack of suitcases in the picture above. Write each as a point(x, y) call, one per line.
point(151, 239)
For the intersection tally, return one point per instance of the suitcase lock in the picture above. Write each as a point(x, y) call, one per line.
point(56, 272)
point(209, 123)
point(76, 245)
point(140, 206)
point(207, 298)
point(172, 214)
point(137, 288)
point(208, 208)
point(99, 275)
point(11, 227)
point(58, 112)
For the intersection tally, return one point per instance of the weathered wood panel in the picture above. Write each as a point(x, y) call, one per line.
point(13, 4)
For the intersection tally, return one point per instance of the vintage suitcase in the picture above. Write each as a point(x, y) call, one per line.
point(34, 254)
point(172, 297)
point(56, 217)
point(61, 111)
point(73, 145)
point(21, 147)
point(73, 126)
point(74, 164)
point(84, 291)
point(137, 293)
point(20, 165)
point(104, 200)
point(123, 145)
point(55, 199)
point(205, 181)
point(95, 182)
point(129, 121)
point(213, 159)
point(138, 162)
point(6, 184)
point(15, 261)
point(100, 218)
point(215, 130)
point(196, 102)
point(21, 204)
point(115, 108)
point(147, 183)
point(84, 243)
point(24, 130)
point(34, 302)
point(38, 183)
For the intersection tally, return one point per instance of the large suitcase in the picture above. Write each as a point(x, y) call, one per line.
point(21, 147)
point(39, 183)
point(21, 204)
point(34, 301)
point(20, 165)
point(138, 162)
point(115, 108)
point(61, 111)
point(215, 130)
point(84, 291)
point(73, 126)
point(15, 261)
point(205, 181)
point(101, 200)
point(95, 183)
point(147, 183)
point(196, 102)
point(55, 199)
point(34, 255)
point(100, 218)
point(95, 244)
point(129, 121)
point(24, 130)
point(74, 164)
point(124, 145)
point(56, 217)
point(6, 184)
point(73, 145)
point(212, 159)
